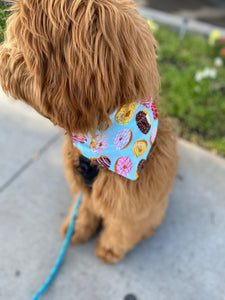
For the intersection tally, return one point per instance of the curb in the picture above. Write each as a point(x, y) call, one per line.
point(179, 22)
point(220, 2)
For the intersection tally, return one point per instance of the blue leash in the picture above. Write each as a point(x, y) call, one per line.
point(61, 254)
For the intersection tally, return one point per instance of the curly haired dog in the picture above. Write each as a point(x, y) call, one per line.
point(76, 62)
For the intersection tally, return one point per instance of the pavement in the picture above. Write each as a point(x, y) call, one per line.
point(180, 23)
point(209, 11)
point(184, 260)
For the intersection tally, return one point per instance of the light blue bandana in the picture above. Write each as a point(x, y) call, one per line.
point(124, 147)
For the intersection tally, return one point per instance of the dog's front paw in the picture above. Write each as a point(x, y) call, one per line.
point(107, 255)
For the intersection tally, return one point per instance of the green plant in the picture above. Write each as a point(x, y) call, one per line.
point(3, 16)
point(197, 109)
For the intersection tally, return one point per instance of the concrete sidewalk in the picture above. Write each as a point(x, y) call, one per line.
point(207, 11)
point(177, 22)
point(184, 260)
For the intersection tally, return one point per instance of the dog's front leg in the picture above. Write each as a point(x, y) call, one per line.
point(117, 238)
point(86, 223)
point(120, 235)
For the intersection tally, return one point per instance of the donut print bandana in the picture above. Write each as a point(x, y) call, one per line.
point(124, 147)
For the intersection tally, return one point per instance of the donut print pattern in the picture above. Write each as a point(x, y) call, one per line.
point(98, 144)
point(103, 161)
point(77, 150)
point(153, 135)
point(125, 113)
point(143, 121)
point(154, 111)
point(139, 148)
point(123, 148)
point(79, 139)
point(123, 166)
point(147, 103)
point(122, 139)
point(139, 167)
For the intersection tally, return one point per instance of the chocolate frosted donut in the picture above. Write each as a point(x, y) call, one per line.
point(139, 167)
point(104, 161)
point(143, 121)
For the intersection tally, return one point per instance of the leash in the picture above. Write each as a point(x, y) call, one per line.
point(62, 252)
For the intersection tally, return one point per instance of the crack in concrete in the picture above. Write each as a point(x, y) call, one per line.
point(30, 162)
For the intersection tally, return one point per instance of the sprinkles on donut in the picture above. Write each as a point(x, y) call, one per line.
point(123, 165)
point(139, 148)
point(98, 144)
point(125, 113)
point(122, 139)
point(139, 167)
point(103, 161)
point(143, 121)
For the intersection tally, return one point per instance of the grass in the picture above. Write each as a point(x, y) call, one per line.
point(3, 17)
point(197, 110)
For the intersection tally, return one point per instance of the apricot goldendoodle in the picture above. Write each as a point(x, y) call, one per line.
point(85, 65)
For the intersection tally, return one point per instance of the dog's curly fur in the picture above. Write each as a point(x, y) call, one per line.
point(75, 62)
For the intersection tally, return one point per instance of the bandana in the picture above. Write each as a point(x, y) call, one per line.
point(124, 147)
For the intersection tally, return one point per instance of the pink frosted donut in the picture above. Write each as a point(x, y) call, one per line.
point(153, 135)
point(79, 139)
point(154, 111)
point(122, 139)
point(147, 102)
point(98, 144)
point(123, 166)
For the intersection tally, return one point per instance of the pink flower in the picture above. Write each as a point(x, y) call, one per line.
point(223, 52)
point(221, 40)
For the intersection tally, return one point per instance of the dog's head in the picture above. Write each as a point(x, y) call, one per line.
point(76, 61)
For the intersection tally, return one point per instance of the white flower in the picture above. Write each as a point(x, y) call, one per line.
point(198, 76)
point(218, 62)
point(213, 73)
point(206, 72)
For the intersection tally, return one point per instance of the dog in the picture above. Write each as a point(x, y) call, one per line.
point(87, 66)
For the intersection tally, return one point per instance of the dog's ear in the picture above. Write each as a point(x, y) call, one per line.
point(86, 58)
point(110, 57)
